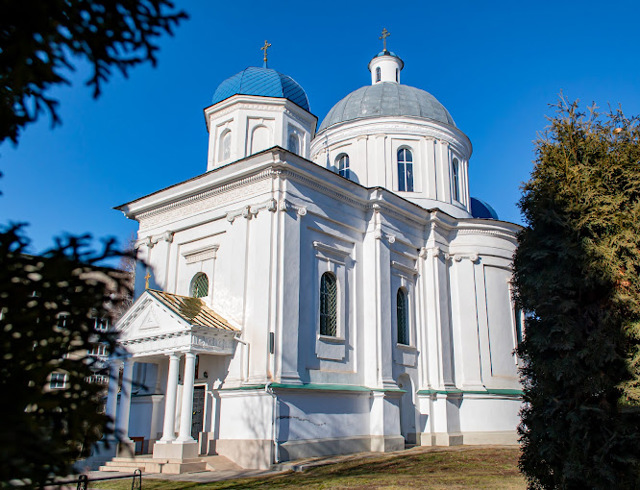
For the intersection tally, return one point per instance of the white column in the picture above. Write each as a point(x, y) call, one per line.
point(122, 424)
point(187, 398)
point(112, 391)
point(168, 428)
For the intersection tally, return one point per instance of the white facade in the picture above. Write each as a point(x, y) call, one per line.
point(356, 313)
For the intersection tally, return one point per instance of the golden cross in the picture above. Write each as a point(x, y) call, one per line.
point(146, 279)
point(385, 35)
point(264, 48)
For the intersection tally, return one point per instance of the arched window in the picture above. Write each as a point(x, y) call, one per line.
point(294, 143)
point(397, 75)
point(405, 170)
point(224, 152)
point(260, 139)
point(199, 285)
point(402, 317)
point(342, 162)
point(455, 179)
point(328, 305)
point(378, 74)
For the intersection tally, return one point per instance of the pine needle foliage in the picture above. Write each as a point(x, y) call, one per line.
point(577, 276)
point(41, 40)
point(49, 305)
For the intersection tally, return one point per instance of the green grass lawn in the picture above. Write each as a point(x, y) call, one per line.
point(468, 467)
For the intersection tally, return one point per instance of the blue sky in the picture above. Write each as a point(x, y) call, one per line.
point(496, 66)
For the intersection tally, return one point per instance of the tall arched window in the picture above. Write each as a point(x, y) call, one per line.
point(200, 285)
point(402, 317)
point(455, 179)
point(224, 152)
point(397, 75)
point(294, 143)
point(342, 162)
point(405, 170)
point(328, 305)
point(378, 74)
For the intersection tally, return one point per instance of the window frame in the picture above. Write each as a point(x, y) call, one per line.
point(224, 152)
point(192, 285)
point(378, 74)
point(343, 164)
point(455, 180)
point(294, 135)
point(403, 330)
point(55, 383)
point(405, 169)
point(330, 313)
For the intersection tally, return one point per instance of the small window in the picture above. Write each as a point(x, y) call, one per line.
point(397, 75)
point(57, 381)
point(200, 285)
point(101, 324)
point(225, 146)
point(98, 350)
point(378, 74)
point(405, 170)
point(294, 143)
point(455, 179)
point(328, 305)
point(342, 162)
point(402, 317)
point(519, 326)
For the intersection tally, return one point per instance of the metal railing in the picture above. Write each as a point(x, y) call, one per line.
point(83, 480)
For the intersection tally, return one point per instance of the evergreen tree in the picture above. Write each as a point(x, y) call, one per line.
point(40, 40)
point(49, 306)
point(577, 276)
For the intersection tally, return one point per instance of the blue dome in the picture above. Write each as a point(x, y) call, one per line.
point(387, 99)
point(480, 209)
point(264, 82)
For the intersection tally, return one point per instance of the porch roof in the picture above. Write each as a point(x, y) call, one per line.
point(192, 310)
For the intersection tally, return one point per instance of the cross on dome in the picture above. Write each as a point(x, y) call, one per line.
point(264, 48)
point(385, 35)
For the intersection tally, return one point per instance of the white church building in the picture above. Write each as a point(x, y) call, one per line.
point(320, 290)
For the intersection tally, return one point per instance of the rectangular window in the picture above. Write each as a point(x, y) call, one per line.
point(57, 381)
point(99, 350)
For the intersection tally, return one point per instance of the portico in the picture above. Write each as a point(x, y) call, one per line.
point(172, 333)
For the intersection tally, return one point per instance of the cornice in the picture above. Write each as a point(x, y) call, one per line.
point(392, 126)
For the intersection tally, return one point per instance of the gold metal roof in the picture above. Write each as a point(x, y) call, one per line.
point(192, 310)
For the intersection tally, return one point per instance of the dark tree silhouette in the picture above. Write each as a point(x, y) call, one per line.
point(49, 307)
point(40, 39)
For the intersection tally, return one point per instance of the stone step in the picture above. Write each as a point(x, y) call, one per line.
point(132, 464)
point(120, 469)
point(147, 464)
point(138, 459)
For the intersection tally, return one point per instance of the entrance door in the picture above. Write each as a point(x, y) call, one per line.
point(197, 419)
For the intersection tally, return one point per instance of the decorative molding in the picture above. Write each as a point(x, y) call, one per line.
point(201, 254)
point(322, 188)
point(252, 210)
point(215, 344)
point(285, 205)
point(494, 233)
point(403, 268)
point(330, 252)
point(473, 257)
point(208, 199)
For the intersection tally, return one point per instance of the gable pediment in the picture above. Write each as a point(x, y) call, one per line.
point(148, 317)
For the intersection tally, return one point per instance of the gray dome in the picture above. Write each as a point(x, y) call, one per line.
point(387, 99)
